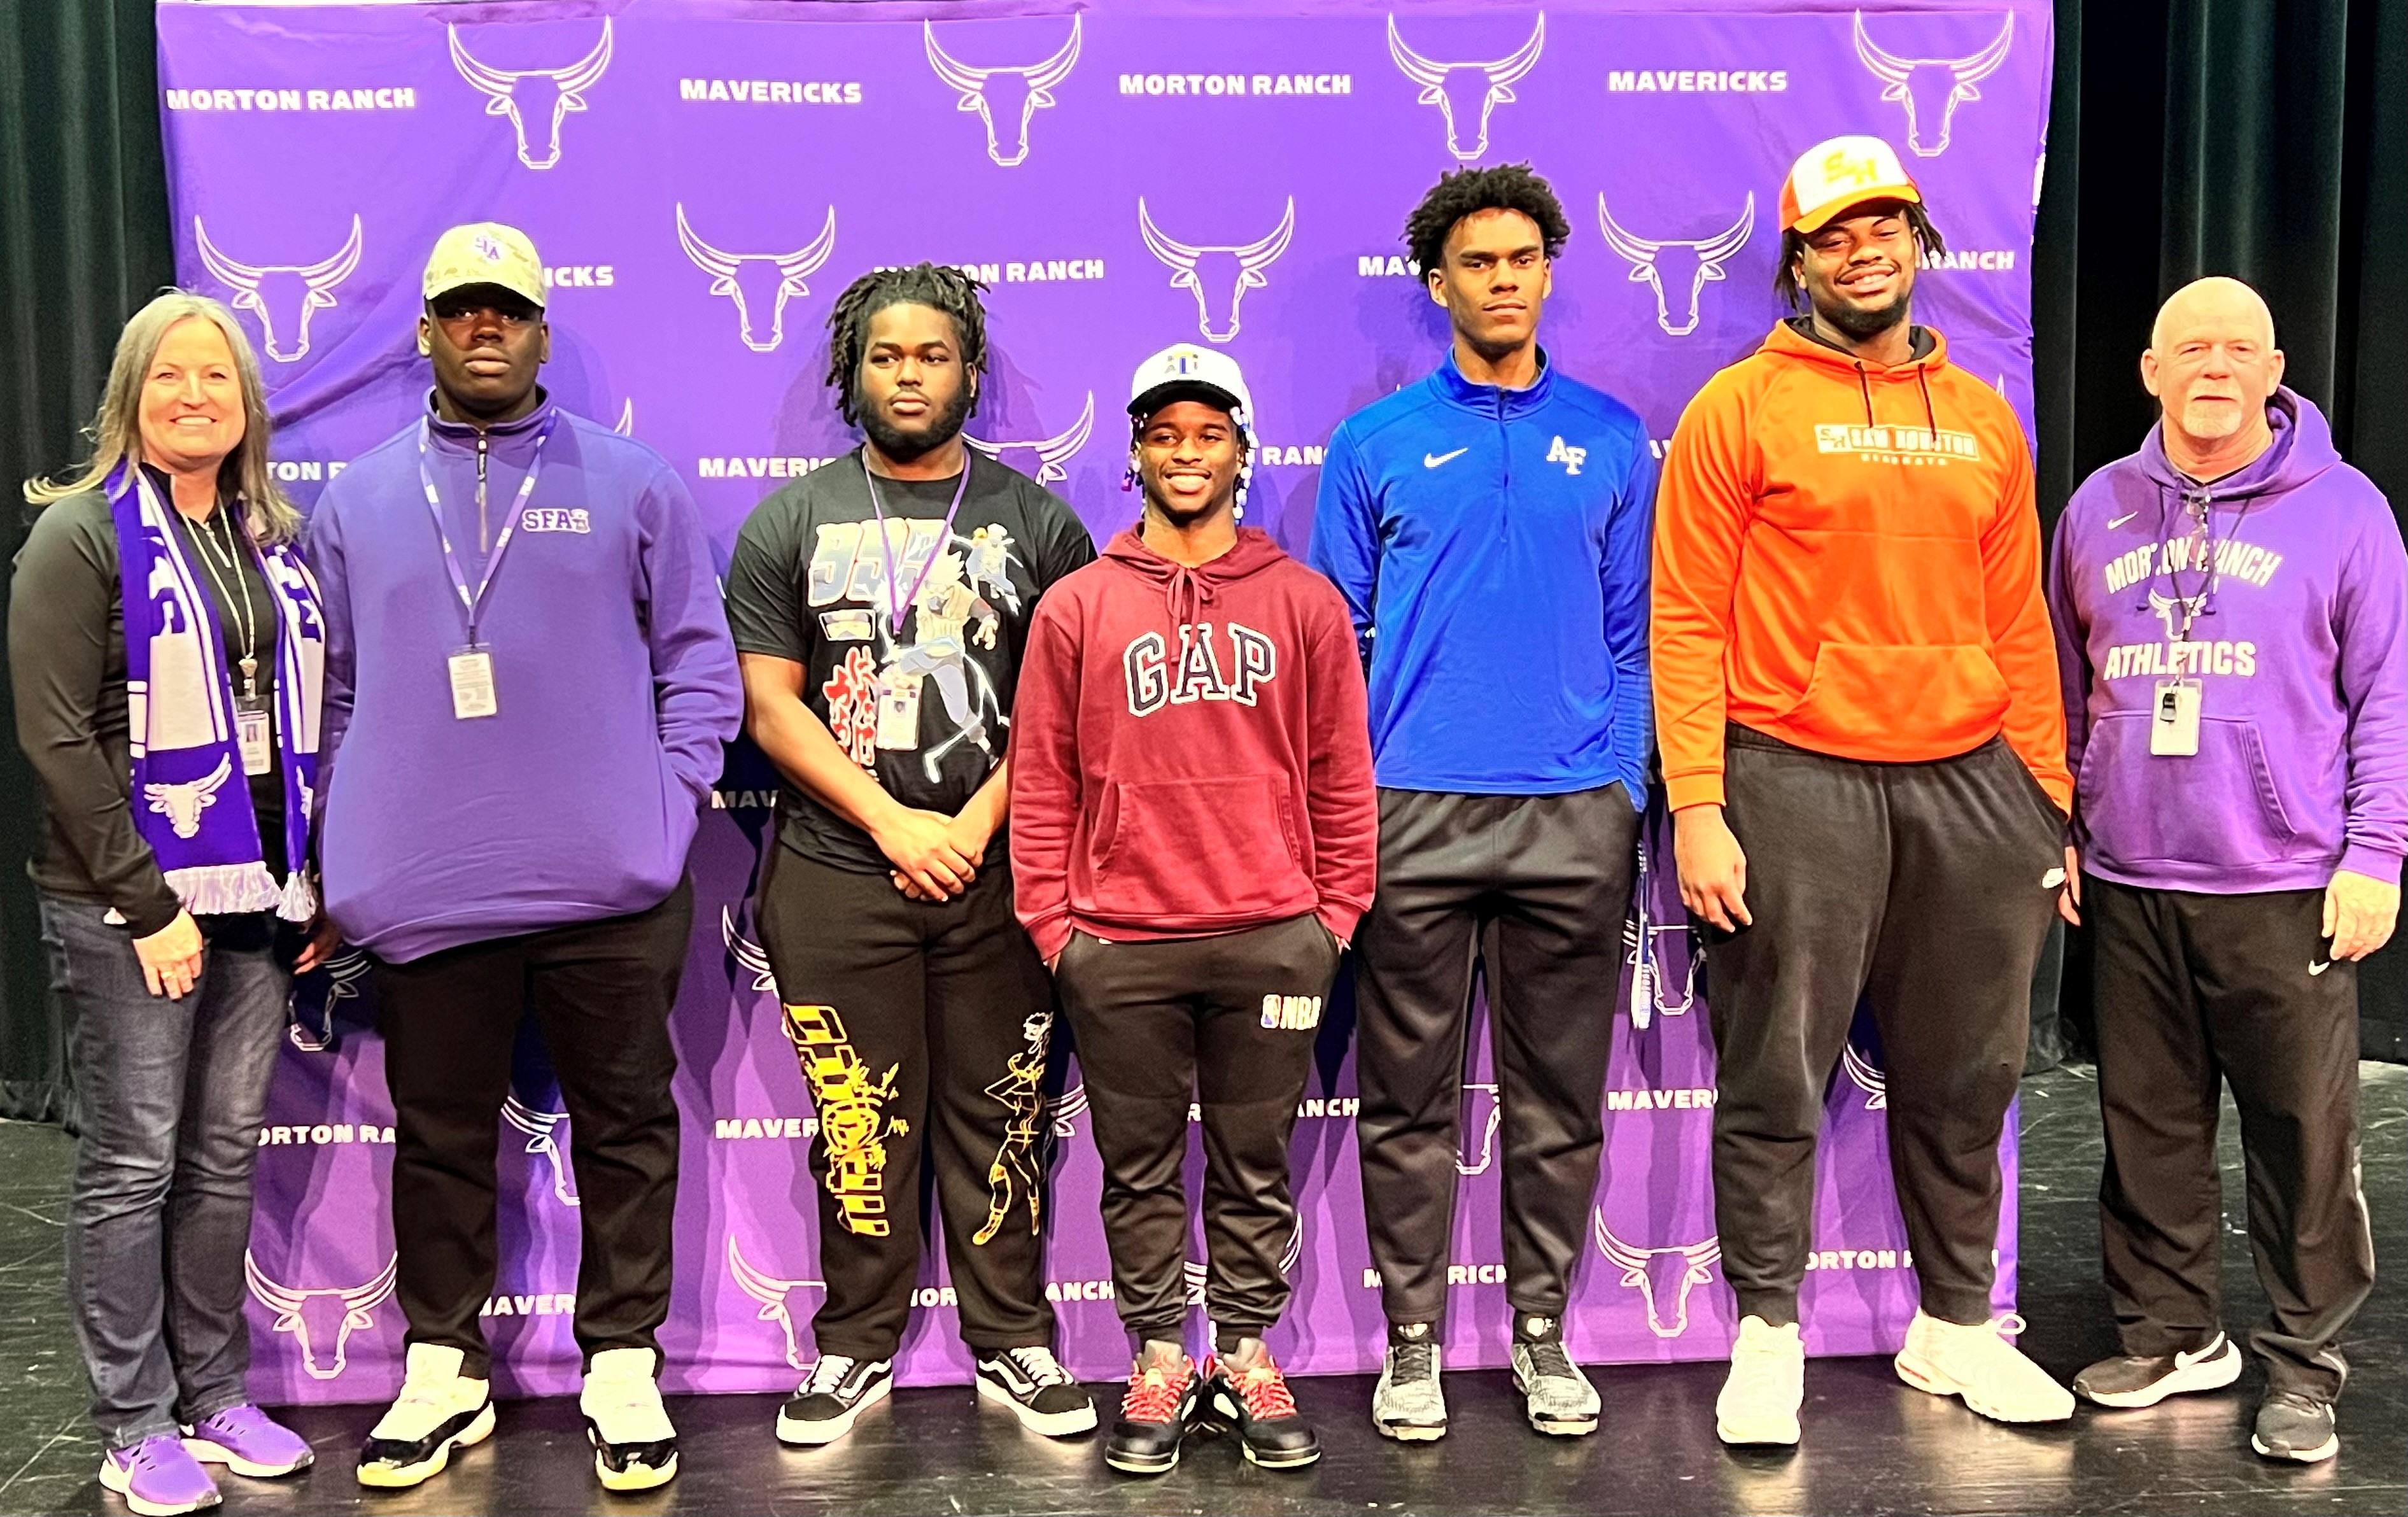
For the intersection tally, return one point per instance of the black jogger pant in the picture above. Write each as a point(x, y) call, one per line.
point(1227, 1022)
point(1927, 888)
point(2193, 991)
point(1545, 881)
point(921, 1026)
point(601, 992)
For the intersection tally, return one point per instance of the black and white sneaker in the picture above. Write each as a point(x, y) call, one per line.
point(635, 1447)
point(837, 1391)
point(438, 1410)
point(1040, 1392)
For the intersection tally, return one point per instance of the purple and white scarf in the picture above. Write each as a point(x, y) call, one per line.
point(191, 801)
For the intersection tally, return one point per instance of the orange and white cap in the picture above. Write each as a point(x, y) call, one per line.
point(1830, 177)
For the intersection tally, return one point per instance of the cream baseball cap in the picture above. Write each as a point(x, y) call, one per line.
point(486, 252)
point(1830, 177)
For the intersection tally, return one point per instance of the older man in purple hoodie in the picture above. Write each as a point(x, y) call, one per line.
point(528, 681)
point(2229, 618)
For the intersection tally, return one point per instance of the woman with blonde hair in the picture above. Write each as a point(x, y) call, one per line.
point(165, 644)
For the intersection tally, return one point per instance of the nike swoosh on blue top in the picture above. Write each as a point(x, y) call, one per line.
point(1431, 460)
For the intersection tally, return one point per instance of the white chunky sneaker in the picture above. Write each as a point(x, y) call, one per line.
point(635, 1448)
point(440, 1411)
point(1556, 1396)
point(1408, 1404)
point(1768, 1382)
point(836, 1392)
point(1978, 1366)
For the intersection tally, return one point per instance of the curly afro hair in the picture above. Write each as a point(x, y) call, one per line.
point(1467, 192)
point(933, 285)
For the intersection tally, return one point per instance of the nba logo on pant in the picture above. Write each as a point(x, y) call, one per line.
point(1292, 1013)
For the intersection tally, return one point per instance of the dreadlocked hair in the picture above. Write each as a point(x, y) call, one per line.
point(1468, 191)
point(1793, 248)
point(933, 285)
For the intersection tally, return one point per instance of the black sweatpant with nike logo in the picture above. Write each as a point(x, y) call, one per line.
point(1926, 889)
point(2193, 991)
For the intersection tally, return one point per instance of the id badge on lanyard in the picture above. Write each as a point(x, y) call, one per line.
point(254, 735)
point(470, 668)
point(898, 710)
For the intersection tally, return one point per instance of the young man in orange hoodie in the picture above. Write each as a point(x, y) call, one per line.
point(1856, 702)
point(1193, 835)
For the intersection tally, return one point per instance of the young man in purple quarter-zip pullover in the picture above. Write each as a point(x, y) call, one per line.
point(529, 682)
point(2229, 625)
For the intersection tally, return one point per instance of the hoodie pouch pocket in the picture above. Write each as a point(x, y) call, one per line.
point(2216, 808)
point(1950, 695)
point(1223, 845)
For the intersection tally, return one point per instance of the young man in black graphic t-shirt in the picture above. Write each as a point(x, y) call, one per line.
point(879, 605)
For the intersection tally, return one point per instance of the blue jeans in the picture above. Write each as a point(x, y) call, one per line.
point(172, 1094)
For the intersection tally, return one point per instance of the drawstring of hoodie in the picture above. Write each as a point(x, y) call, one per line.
point(1186, 592)
point(1864, 388)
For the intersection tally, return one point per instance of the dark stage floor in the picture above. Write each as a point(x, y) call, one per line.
point(1871, 1445)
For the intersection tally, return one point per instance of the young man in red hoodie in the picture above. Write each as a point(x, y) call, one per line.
point(1193, 832)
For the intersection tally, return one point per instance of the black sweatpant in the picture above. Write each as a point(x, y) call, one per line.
point(919, 1025)
point(1545, 881)
point(1227, 1022)
point(1927, 888)
point(2193, 991)
point(601, 992)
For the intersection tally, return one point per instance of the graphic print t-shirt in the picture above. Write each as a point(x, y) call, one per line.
point(925, 711)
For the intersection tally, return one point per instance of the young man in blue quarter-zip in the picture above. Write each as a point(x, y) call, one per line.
point(1489, 529)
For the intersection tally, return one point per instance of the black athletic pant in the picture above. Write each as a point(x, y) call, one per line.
point(1227, 1022)
point(1545, 880)
point(1927, 888)
point(919, 1026)
point(2193, 991)
point(601, 992)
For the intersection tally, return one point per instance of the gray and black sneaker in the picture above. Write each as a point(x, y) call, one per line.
point(1408, 1404)
point(1556, 1396)
point(2132, 1380)
point(1040, 1392)
point(837, 1391)
point(2294, 1426)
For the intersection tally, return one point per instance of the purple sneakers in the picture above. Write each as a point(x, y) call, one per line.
point(248, 1441)
point(157, 1478)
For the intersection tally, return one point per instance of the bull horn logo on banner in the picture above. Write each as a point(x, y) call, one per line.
point(1931, 88)
point(1474, 1156)
point(543, 1141)
point(754, 280)
point(1658, 1274)
point(1218, 275)
point(1196, 1271)
point(782, 1300)
point(322, 1320)
point(748, 954)
point(1867, 1076)
point(1678, 270)
point(1004, 95)
point(282, 296)
point(1451, 86)
point(1053, 453)
point(543, 96)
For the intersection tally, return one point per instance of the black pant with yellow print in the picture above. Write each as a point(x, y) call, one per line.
point(921, 1027)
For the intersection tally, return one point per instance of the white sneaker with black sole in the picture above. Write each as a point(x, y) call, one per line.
point(440, 1411)
point(635, 1447)
point(1038, 1389)
point(832, 1396)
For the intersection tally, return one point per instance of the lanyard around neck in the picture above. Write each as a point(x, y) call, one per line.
point(473, 601)
point(896, 609)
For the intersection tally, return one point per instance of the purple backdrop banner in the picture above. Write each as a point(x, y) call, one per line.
point(704, 176)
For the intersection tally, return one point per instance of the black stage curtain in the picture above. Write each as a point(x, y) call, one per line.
point(2267, 139)
point(2264, 139)
point(83, 242)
